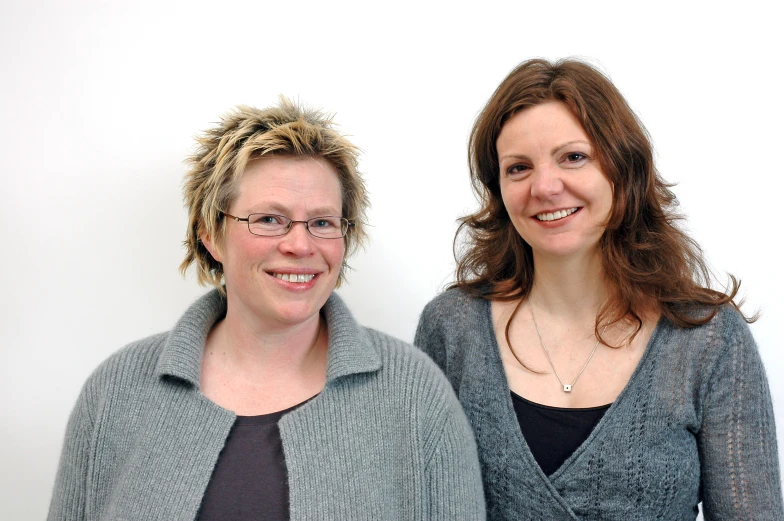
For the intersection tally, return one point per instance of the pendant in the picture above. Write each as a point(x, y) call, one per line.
point(567, 388)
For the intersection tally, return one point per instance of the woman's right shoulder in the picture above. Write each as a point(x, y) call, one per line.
point(449, 323)
point(449, 303)
point(131, 363)
point(114, 381)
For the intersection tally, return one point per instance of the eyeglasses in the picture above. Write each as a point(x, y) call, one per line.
point(271, 225)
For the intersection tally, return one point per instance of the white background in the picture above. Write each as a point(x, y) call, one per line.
point(100, 100)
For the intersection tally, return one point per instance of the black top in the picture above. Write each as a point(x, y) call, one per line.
point(249, 480)
point(554, 433)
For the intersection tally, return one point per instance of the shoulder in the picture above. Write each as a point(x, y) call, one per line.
point(125, 368)
point(118, 376)
point(725, 331)
point(453, 306)
point(730, 324)
point(721, 351)
point(410, 378)
point(451, 300)
point(452, 314)
point(138, 356)
point(175, 353)
point(412, 374)
point(728, 340)
point(400, 356)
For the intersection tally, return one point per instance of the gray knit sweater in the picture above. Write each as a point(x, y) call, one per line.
point(385, 440)
point(695, 422)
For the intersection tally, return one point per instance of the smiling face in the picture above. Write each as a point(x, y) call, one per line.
point(552, 186)
point(285, 280)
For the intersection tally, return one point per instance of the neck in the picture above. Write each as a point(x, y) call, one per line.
point(571, 289)
point(246, 347)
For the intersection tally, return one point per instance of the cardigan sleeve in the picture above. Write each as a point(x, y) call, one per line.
point(69, 497)
point(737, 439)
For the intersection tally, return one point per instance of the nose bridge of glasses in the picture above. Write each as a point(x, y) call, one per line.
point(291, 224)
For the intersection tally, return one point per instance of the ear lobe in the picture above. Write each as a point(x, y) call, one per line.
point(211, 246)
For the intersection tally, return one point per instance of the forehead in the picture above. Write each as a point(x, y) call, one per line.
point(550, 121)
point(289, 183)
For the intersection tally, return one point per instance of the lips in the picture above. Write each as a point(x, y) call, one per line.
point(558, 214)
point(294, 277)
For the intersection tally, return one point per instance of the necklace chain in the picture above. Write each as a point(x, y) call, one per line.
point(567, 388)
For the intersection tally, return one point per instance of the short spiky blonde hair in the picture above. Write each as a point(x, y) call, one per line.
point(247, 133)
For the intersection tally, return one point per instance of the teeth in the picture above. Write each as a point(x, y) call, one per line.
point(560, 214)
point(294, 277)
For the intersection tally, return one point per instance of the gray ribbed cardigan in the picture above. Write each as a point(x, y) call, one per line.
point(695, 422)
point(385, 440)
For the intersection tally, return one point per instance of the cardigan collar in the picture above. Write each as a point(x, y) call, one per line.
point(350, 350)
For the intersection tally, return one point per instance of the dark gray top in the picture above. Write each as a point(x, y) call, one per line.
point(695, 422)
point(249, 481)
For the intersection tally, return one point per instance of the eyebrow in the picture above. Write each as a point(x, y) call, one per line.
point(573, 142)
point(552, 152)
point(278, 209)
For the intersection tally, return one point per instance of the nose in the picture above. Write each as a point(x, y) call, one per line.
point(546, 182)
point(298, 241)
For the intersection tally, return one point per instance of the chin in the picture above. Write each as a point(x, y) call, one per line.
point(566, 250)
point(299, 313)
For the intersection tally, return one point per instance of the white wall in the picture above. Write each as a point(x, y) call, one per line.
point(99, 101)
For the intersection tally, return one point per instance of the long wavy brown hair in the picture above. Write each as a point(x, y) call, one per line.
point(649, 263)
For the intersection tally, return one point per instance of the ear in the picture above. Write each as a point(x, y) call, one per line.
point(212, 246)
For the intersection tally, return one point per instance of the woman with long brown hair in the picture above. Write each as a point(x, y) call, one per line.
point(603, 376)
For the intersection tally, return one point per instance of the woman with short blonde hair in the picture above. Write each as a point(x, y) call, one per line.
point(267, 400)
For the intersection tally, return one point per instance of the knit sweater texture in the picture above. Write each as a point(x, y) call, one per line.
point(694, 423)
point(386, 439)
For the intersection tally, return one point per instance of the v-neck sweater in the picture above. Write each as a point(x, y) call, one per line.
point(386, 439)
point(694, 423)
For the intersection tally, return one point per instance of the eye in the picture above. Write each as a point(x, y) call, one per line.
point(517, 170)
point(323, 222)
point(574, 159)
point(264, 219)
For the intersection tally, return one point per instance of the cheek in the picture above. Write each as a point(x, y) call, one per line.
point(505, 196)
point(334, 254)
point(248, 252)
point(608, 198)
point(514, 199)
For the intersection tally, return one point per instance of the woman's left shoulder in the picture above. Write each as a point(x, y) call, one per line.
point(727, 329)
point(405, 366)
point(701, 349)
point(399, 354)
point(409, 378)
point(726, 324)
point(723, 341)
point(731, 337)
point(729, 319)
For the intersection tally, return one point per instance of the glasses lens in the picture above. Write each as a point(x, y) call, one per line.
point(267, 224)
point(328, 227)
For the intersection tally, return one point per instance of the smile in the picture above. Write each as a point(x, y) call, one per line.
point(560, 214)
point(294, 277)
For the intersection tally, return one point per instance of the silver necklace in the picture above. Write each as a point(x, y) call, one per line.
point(567, 388)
